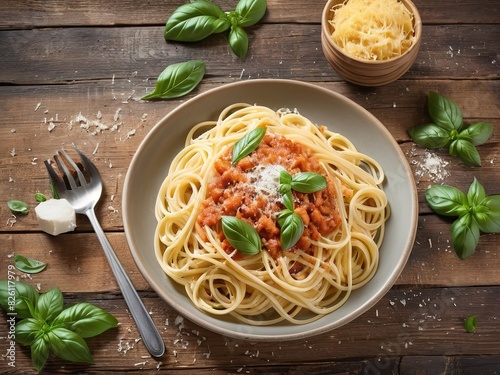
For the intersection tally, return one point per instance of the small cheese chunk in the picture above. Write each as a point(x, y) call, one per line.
point(56, 216)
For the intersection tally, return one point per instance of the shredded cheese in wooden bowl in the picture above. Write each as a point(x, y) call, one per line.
point(371, 42)
point(373, 29)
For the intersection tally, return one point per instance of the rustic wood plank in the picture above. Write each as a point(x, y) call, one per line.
point(406, 322)
point(68, 55)
point(432, 261)
point(27, 112)
point(37, 13)
point(450, 365)
point(101, 56)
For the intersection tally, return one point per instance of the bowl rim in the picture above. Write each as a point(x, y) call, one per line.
point(326, 30)
point(382, 288)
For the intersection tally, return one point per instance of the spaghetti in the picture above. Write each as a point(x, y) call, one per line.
point(343, 224)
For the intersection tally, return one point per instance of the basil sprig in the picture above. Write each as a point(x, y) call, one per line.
point(476, 213)
point(248, 143)
point(49, 328)
point(291, 224)
point(241, 235)
point(28, 265)
point(448, 130)
point(199, 19)
point(177, 80)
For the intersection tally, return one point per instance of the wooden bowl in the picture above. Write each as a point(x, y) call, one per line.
point(368, 72)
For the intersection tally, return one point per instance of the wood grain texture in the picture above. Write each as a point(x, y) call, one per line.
point(96, 59)
point(27, 111)
point(73, 55)
point(38, 13)
point(405, 323)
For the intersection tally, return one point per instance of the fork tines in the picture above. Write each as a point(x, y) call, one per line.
point(74, 174)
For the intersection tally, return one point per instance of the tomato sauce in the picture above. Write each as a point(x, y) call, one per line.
point(249, 191)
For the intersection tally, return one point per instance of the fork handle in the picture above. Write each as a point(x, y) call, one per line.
point(149, 333)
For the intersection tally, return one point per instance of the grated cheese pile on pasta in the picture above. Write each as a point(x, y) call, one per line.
point(337, 253)
point(373, 29)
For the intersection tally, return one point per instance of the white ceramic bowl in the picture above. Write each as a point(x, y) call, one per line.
point(150, 164)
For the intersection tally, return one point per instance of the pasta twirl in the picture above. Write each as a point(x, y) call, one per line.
point(344, 224)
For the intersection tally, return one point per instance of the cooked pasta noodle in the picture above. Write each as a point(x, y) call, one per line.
point(298, 285)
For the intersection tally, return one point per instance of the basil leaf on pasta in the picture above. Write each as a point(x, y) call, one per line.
point(291, 231)
point(247, 144)
point(285, 177)
point(241, 235)
point(308, 182)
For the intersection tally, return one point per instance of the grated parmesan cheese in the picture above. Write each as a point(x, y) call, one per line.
point(265, 180)
point(430, 165)
point(373, 29)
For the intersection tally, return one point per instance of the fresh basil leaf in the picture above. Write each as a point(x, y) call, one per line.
point(250, 11)
point(488, 219)
point(308, 182)
point(476, 193)
point(430, 135)
point(69, 346)
point(195, 21)
point(177, 80)
point(477, 133)
point(28, 265)
point(466, 151)
point(291, 231)
point(492, 202)
point(282, 215)
point(288, 199)
point(444, 112)
point(85, 319)
point(26, 298)
point(40, 351)
point(50, 304)
point(285, 178)
point(284, 188)
point(446, 200)
point(465, 235)
point(248, 143)
point(18, 207)
point(238, 41)
point(241, 235)
point(39, 197)
point(27, 330)
point(470, 323)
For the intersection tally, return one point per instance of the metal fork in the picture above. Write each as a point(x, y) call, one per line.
point(82, 187)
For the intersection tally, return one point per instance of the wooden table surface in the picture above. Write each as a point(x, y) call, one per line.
point(95, 58)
